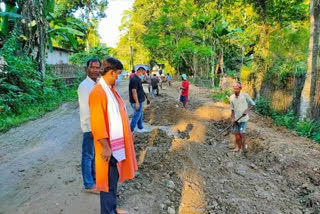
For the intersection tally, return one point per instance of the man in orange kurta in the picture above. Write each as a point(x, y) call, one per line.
point(108, 169)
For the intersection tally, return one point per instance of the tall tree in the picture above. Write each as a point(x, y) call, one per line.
point(309, 89)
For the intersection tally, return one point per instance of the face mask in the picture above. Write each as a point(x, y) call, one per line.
point(118, 81)
point(141, 76)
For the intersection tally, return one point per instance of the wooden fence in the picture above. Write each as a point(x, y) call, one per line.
point(68, 73)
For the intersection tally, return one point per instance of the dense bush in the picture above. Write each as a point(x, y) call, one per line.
point(263, 106)
point(23, 95)
point(307, 128)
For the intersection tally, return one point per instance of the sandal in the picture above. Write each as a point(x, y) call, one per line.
point(92, 190)
point(118, 211)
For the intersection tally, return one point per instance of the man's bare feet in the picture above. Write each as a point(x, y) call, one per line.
point(232, 147)
point(236, 150)
point(119, 211)
point(93, 190)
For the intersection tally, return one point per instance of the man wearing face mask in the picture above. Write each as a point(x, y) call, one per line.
point(137, 98)
point(113, 140)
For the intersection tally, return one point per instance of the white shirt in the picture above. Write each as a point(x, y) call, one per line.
point(84, 90)
point(240, 104)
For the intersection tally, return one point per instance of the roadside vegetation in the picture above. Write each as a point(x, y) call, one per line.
point(28, 86)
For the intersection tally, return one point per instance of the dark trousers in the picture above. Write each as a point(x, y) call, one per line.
point(108, 200)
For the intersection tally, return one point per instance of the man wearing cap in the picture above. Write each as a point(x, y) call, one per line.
point(137, 98)
point(184, 90)
point(240, 104)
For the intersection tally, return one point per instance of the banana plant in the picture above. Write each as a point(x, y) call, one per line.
point(10, 14)
point(68, 30)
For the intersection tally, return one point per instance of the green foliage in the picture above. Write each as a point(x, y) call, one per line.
point(11, 15)
point(23, 96)
point(222, 96)
point(192, 35)
point(316, 136)
point(17, 87)
point(231, 73)
point(65, 32)
point(93, 8)
point(97, 52)
point(306, 128)
point(263, 106)
point(288, 120)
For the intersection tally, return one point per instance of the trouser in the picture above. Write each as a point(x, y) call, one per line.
point(137, 117)
point(153, 90)
point(108, 200)
point(149, 88)
point(87, 161)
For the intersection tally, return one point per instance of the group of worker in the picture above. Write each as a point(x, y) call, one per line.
point(154, 81)
point(108, 153)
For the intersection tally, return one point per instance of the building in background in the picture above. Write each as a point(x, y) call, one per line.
point(58, 56)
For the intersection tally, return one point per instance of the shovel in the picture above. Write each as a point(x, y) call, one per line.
point(229, 126)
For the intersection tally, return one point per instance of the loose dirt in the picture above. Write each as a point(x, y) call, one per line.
point(183, 167)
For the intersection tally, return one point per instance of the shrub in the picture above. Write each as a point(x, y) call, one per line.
point(222, 96)
point(288, 120)
point(316, 136)
point(263, 106)
point(23, 95)
point(305, 127)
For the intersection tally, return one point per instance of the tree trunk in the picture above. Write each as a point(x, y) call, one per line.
point(188, 64)
point(212, 68)
point(195, 65)
point(131, 57)
point(42, 56)
point(222, 62)
point(316, 101)
point(42, 39)
point(309, 89)
point(217, 66)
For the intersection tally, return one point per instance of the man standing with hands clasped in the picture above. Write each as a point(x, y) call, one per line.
point(240, 104)
point(87, 161)
point(113, 140)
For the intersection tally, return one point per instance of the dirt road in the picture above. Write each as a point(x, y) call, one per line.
point(182, 167)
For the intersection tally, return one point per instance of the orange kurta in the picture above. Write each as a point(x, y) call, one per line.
point(99, 120)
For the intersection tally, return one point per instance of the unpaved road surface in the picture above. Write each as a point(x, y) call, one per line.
point(183, 168)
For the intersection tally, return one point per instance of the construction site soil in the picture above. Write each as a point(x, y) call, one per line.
point(184, 167)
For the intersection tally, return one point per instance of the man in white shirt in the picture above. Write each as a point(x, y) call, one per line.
point(87, 162)
point(241, 104)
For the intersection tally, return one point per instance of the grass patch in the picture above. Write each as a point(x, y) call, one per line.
point(36, 110)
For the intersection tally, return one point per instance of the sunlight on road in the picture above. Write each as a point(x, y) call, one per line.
point(214, 111)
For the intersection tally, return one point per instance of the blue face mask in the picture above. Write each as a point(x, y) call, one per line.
point(118, 81)
point(141, 76)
